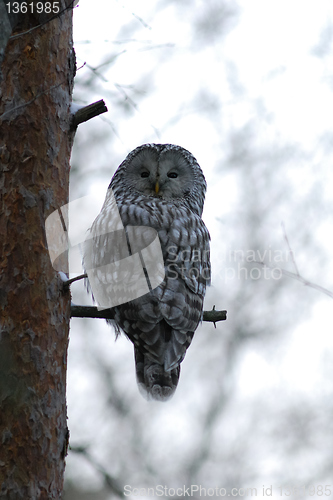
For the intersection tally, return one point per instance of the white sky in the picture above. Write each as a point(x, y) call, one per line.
point(271, 48)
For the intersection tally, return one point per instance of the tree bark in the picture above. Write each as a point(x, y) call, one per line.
point(35, 145)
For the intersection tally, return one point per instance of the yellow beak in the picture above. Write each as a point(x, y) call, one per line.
point(157, 187)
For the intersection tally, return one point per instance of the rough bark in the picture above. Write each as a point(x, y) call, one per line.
point(35, 144)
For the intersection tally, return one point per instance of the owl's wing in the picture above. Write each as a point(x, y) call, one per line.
point(188, 254)
point(178, 301)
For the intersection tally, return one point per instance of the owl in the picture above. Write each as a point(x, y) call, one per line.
point(151, 224)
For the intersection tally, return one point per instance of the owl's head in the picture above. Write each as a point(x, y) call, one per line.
point(163, 171)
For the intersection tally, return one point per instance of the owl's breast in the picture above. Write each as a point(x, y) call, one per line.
point(148, 211)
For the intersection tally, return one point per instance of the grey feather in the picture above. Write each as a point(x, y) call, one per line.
point(161, 187)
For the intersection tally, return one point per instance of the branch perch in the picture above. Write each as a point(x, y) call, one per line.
point(212, 316)
point(87, 112)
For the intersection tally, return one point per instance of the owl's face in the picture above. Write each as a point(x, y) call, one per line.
point(162, 171)
point(166, 175)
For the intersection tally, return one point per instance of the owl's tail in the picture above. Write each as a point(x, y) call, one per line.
point(153, 381)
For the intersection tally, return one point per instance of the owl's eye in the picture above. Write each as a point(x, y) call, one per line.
point(172, 175)
point(144, 175)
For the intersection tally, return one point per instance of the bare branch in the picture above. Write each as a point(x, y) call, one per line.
point(77, 278)
point(289, 247)
point(298, 277)
point(90, 312)
point(87, 112)
point(212, 316)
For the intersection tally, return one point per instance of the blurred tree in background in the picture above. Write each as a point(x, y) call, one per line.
point(247, 88)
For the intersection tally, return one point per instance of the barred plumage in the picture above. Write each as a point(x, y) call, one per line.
point(158, 186)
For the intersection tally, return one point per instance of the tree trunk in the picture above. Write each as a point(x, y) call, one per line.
point(35, 144)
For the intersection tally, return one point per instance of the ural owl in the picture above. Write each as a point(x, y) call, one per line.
point(159, 189)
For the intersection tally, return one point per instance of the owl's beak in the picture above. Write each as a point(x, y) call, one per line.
point(157, 187)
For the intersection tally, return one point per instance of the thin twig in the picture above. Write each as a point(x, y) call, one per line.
point(297, 277)
point(127, 98)
point(212, 316)
point(109, 480)
point(289, 247)
point(138, 18)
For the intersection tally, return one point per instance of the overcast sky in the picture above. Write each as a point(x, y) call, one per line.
point(197, 78)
